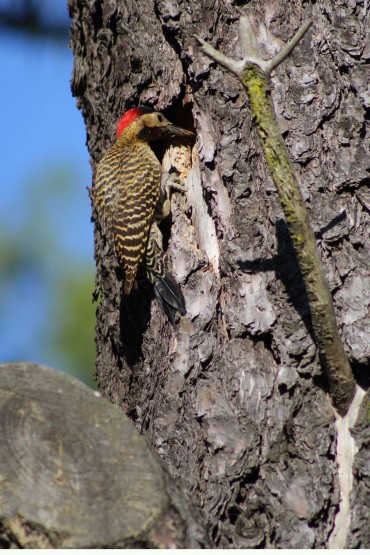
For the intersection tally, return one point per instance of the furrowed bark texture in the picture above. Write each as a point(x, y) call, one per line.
point(234, 400)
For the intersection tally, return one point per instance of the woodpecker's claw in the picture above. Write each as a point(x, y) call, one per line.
point(175, 183)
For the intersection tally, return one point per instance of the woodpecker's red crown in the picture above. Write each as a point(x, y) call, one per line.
point(130, 116)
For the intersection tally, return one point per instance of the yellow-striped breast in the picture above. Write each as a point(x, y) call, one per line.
point(125, 192)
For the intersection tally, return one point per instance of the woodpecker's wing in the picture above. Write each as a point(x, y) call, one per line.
point(103, 192)
point(102, 209)
point(128, 191)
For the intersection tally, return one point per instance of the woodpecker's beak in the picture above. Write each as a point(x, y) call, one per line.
point(163, 132)
point(173, 131)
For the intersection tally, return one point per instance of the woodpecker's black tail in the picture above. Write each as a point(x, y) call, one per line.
point(169, 296)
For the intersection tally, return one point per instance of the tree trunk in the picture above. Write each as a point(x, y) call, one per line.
point(234, 399)
point(72, 469)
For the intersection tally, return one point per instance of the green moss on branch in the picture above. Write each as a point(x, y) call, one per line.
point(254, 73)
point(333, 357)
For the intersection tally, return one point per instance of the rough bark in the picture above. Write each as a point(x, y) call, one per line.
point(234, 399)
point(76, 474)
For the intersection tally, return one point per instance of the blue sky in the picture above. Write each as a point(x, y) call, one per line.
point(42, 133)
point(41, 124)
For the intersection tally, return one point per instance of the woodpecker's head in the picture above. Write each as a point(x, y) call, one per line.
point(148, 125)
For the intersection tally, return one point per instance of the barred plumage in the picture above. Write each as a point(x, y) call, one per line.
point(125, 193)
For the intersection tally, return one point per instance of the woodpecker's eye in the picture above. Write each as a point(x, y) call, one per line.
point(160, 117)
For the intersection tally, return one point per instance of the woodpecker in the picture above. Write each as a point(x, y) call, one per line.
point(126, 196)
